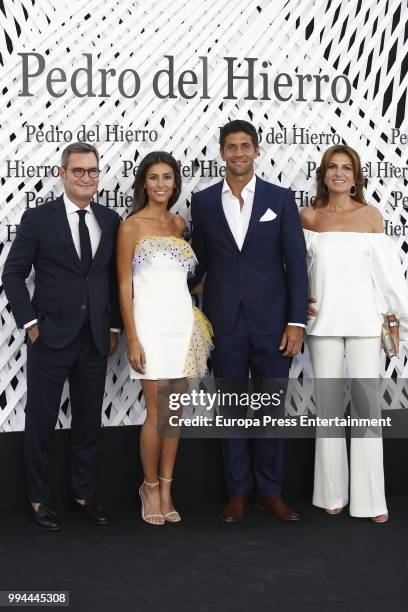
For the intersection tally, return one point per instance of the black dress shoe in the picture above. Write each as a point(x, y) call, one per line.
point(91, 512)
point(45, 518)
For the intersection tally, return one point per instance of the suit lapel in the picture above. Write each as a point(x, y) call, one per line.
point(221, 218)
point(258, 207)
point(64, 231)
point(104, 227)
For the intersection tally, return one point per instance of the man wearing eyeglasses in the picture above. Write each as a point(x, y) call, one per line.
point(72, 324)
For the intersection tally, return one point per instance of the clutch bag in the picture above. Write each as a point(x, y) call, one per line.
point(387, 342)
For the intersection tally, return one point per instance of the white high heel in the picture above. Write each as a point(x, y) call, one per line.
point(176, 516)
point(146, 517)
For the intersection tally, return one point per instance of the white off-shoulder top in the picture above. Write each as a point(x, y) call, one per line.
point(356, 278)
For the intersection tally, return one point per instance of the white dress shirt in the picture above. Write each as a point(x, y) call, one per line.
point(238, 218)
point(94, 229)
point(90, 221)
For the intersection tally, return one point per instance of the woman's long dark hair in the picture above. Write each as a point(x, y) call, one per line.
point(139, 192)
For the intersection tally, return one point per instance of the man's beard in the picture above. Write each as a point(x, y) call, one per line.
point(240, 171)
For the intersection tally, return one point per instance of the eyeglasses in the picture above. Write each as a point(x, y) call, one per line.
point(80, 172)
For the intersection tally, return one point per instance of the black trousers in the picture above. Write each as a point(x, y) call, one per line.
point(47, 370)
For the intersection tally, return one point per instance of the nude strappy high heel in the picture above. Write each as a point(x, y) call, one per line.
point(146, 517)
point(334, 510)
point(381, 518)
point(175, 516)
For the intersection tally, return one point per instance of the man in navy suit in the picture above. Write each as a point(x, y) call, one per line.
point(72, 324)
point(249, 242)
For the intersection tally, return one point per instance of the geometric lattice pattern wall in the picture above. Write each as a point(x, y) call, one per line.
point(365, 40)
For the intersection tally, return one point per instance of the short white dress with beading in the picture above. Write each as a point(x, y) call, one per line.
point(174, 334)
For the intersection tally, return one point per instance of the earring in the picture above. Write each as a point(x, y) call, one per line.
point(353, 190)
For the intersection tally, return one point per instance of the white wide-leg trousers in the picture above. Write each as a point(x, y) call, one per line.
point(331, 477)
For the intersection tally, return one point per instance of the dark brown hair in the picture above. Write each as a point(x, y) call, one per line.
point(139, 192)
point(238, 125)
point(322, 195)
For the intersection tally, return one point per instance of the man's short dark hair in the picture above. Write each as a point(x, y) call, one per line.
point(238, 125)
point(78, 147)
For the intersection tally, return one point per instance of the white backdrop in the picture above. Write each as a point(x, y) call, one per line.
point(364, 39)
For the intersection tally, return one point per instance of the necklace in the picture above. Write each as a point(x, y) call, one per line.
point(163, 224)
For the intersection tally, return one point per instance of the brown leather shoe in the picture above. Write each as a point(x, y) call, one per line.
point(276, 505)
point(235, 510)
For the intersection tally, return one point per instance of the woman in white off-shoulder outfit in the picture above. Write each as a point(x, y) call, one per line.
point(356, 285)
point(168, 338)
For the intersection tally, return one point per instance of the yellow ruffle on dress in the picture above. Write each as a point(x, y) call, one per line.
point(200, 346)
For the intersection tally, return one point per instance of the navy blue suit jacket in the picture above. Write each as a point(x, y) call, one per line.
point(268, 276)
point(63, 291)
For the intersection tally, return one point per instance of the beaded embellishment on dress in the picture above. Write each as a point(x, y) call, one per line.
point(148, 247)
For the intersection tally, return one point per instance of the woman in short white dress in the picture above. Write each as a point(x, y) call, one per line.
point(168, 338)
point(356, 284)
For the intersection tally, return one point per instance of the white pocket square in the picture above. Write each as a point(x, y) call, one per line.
point(269, 215)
